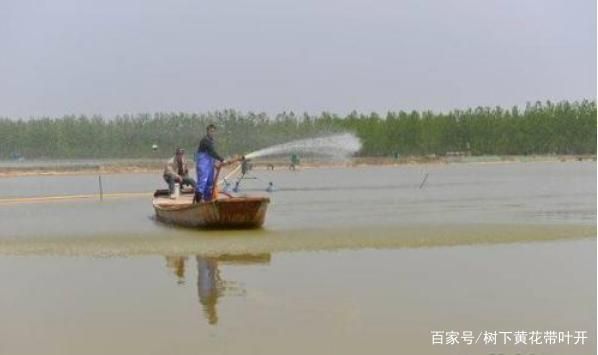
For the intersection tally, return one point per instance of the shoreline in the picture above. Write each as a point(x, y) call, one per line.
point(9, 169)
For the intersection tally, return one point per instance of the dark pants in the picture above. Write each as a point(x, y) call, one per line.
point(171, 180)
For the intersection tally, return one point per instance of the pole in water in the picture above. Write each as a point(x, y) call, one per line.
point(101, 189)
point(424, 181)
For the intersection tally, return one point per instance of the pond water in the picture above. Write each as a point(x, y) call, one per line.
point(350, 261)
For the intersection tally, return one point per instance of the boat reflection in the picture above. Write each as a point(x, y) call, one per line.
point(210, 285)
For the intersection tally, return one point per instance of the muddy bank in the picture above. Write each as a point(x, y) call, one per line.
point(268, 241)
point(140, 166)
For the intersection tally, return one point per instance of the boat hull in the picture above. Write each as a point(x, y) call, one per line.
point(226, 213)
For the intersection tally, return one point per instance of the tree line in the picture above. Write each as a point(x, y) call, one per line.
point(539, 128)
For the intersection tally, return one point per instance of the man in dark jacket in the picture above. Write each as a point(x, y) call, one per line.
point(206, 159)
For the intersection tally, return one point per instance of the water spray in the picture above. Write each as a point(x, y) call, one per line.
point(336, 146)
point(339, 146)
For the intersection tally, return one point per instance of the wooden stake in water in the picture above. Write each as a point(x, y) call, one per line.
point(101, 189)
point(424, 181)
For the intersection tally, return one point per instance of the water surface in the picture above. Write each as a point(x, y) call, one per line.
point(350, 261)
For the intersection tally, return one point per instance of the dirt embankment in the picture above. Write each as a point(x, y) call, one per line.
point(155, 166)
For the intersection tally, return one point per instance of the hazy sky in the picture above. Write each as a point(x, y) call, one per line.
point(126, 56)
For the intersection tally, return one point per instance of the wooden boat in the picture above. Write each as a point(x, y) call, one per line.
point(224, 212)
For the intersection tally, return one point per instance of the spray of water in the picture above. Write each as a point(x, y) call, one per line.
point(336, 146)
point(339, 146)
